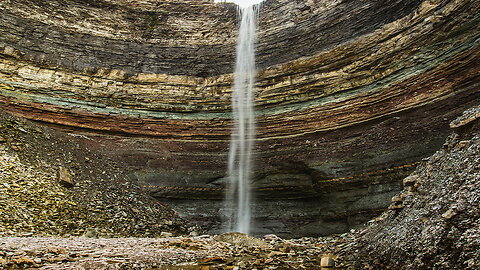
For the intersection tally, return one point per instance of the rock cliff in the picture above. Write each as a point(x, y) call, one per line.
point(350, 95)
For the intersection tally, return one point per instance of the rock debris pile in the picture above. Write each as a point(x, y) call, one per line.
point(52, 187)
point(435, 222)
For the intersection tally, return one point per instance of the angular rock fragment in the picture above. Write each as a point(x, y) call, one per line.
point(449, 214)
point(327, 262)
point(410, 180)
point(166, 234)
point(64, 177)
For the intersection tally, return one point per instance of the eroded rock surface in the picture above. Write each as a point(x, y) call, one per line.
point(350, 95)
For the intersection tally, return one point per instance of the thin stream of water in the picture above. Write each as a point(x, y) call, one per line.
point(238, 197)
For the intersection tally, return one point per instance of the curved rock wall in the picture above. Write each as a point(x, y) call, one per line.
point(290, 29)
point(193, 38)
point(350, 95)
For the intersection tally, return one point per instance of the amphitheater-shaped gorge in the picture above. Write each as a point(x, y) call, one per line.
point(349, 96)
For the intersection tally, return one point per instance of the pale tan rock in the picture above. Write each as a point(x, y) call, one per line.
point(276, 253)
point(410, 180)
point(57, 250)
point(327, 262)
point(23, 260)
point(241, 239)
point(449, 214)
point(396, 206)
point(64, 177)
point(462, 144)
point(398, 198)
point(166, 234)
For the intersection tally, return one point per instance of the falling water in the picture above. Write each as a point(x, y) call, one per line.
point(238, 197)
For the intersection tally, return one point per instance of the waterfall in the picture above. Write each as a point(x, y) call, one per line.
point(238, 195)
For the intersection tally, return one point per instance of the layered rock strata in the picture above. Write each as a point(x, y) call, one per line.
point(349, 95)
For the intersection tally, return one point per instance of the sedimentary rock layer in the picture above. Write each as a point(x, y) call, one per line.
point(349, 94)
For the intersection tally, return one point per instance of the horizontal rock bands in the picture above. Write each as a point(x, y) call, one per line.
point(289, 30)
point(454, 77)
point(368, 64)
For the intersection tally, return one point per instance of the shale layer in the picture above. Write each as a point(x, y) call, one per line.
point(350, 95)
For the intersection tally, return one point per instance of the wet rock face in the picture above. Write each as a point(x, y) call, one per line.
point(350, 95)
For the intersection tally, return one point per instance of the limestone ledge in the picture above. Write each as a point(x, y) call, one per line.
point(468, 118)
point(414, 65)
point(289, 30)
point(171, 22)
point(195, 38)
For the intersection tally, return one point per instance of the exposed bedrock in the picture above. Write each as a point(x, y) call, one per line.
point(350, 95)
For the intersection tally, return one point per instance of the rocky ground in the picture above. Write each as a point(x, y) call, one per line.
point(227, 251)
point(435, 222)
point(50, 186)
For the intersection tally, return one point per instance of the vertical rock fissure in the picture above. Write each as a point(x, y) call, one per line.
point(238, 196)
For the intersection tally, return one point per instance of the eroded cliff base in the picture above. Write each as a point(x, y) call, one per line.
point(432, 223)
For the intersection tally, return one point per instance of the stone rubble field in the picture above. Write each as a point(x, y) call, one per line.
point(226, 251)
